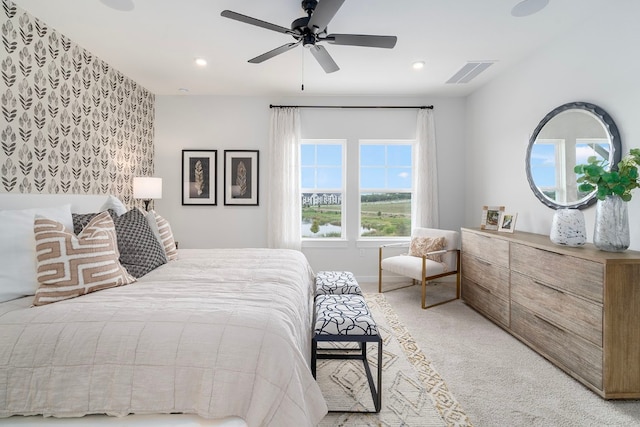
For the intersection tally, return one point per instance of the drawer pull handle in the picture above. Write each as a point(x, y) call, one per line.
point(547, 286)
point(483, 288)
point(549, 323)
point(483, 262)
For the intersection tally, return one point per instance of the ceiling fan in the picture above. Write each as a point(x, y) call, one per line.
point(311, 30)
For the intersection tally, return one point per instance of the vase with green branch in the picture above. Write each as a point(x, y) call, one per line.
point(613, 187)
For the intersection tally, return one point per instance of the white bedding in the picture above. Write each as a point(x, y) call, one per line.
point(218, 333)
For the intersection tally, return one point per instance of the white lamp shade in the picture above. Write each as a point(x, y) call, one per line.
point(146, 188)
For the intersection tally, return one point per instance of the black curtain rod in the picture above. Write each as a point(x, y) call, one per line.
point(421, 107)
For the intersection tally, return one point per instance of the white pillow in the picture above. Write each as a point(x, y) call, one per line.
point(115, 204)
point(18, 248)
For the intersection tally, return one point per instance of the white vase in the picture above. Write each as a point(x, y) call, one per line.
point(611, 232)
point(568, 228)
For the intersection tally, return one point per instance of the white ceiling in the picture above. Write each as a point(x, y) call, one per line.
point(156, 43)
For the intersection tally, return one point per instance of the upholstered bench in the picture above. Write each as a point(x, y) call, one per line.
point(336, 283)
point(346, 318)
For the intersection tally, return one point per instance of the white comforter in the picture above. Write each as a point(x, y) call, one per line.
point(217, 333)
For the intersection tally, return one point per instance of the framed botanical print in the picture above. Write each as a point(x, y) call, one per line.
point(491, 217)
point(241, 171)
point(199, 172)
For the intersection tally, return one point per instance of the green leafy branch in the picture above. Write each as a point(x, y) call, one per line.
point(596, 175)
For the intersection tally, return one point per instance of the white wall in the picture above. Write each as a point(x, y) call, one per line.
point(594, 62)
point(219, 123)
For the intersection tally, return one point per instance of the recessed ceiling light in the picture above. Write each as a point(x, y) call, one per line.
point(201, 62)
point(528, 7)
point(418, 65)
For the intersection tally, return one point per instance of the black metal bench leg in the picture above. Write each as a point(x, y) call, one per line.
point(378, 402)
point(314, 356)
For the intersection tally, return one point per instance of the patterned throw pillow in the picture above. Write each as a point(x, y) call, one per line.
point(421, 245)
point(140, 251)
point(166, 237)
point(80, 221)
point(69, 266)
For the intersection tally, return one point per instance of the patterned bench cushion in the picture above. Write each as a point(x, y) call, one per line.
point(336, 282)
point(343, 315)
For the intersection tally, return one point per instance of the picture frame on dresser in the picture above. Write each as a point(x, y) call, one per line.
point(199, 177)
point(507, 222)
point(241, 173)
point(491, 217)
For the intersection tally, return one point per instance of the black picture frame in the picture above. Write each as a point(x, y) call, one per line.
point(199, 177)
point(241, 177)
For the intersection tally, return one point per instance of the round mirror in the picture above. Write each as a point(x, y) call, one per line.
point(566, 137)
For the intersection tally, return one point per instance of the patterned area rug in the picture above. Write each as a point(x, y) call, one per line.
point(413, 393)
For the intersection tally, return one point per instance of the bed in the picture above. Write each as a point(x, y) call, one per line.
point(216, 337)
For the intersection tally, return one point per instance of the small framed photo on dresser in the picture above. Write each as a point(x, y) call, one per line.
point(507, 222)
point(491, 217)
point(241, 171)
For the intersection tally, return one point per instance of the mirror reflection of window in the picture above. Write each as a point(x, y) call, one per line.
point(585, 148)
point(547, 160)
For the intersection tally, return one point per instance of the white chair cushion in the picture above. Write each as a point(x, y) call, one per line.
point(411, 266)
point(343, 315)
point(336, 282)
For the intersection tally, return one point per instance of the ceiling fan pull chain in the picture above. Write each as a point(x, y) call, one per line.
point(302, 69)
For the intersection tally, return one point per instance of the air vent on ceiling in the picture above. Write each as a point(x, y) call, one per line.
point(469, 71)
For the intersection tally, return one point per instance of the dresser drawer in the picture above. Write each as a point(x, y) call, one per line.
point(580, 316)
point(482, 300)
point(492, 277)
point(575, 354)
point(488, 248)
point(579, 276)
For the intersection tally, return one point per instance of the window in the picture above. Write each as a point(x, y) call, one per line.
point(385, 188)
point(552, 165)
point(322, 188)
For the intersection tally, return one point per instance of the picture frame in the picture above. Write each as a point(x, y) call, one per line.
point(241, 173)
point(199, 177)
point(491, 217)
point(507, 222)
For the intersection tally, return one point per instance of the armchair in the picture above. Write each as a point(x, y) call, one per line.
point(425, 265)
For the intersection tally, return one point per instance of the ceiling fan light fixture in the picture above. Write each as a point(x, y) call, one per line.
point(528, 7)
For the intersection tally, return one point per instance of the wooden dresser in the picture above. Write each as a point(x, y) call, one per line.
point(577, 307)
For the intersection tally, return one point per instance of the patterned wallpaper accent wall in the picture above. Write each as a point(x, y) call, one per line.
point(70, 123)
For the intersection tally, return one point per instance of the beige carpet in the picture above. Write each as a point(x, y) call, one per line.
point(413, 394)
point(498, 380)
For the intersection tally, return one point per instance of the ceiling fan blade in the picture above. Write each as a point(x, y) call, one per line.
point(324, 12)
point(387, 42)
point(253, 21)
point(324, 59)
point(274, 52)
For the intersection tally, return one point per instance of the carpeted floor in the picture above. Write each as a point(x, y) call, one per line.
point(414, 394)
point(497, 380)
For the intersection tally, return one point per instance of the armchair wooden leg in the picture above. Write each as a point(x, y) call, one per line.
point(424, 282)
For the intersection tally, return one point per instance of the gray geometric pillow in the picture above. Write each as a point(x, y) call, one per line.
point(80, 221)
point(140, 251)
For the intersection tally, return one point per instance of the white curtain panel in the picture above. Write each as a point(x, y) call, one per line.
point(425, 205)
point(284, 208)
